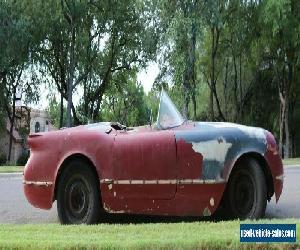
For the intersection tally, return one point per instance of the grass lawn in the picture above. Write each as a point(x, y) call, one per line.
point(291, 161)
point(191, 235)
point(11, 169)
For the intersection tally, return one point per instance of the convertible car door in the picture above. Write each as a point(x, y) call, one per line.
point(144, 164)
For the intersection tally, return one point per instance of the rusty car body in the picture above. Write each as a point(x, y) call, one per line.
point(174, 167)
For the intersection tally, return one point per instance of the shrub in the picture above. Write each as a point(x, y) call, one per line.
point(22, 160)
point(2, 159)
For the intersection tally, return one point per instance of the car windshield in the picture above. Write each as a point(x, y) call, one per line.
point(168, 115)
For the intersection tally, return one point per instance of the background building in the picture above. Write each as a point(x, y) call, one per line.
point(27, 121)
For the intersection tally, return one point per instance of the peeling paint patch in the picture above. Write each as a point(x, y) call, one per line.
point(280, 177)
point(214, 150)
point(110, 186)
point(115, 194)
point(109, 210)
point(212, 201)
point(206, 212)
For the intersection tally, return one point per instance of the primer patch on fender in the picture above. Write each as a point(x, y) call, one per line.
point(220, 144)
point(214, 154)
point(212, 150)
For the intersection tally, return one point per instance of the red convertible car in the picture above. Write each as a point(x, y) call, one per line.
point(173, 167)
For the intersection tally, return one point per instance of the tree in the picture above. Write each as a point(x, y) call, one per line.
point(125, 102)
point(181, 24)
point(282, 49)
point(14, 57)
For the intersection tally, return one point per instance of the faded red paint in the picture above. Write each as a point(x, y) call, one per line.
point(39, 196)
point(150, 155)
point(189, 162)
point(190, 200)
point(140, 154)
point(45, 161)
point(275, 163)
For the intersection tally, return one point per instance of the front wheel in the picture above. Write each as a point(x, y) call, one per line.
point(246, 193)
point(78, 195)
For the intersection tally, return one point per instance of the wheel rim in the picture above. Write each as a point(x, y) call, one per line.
point(77, 199)
point(244, 193)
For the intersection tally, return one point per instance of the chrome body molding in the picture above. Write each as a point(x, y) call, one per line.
point(38, 183)
point(147, 182)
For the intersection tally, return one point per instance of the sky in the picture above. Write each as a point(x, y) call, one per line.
point(146, 77)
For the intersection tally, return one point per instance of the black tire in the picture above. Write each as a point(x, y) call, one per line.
point(246, 192)
point(78, 194)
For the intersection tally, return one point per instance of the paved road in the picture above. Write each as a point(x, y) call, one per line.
point(288, 205)
point(15, 209)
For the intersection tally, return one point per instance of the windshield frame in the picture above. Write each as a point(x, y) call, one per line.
point(172, 112)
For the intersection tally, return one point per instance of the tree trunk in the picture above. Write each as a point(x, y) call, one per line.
point(212, 79)
point(189, 75)
point(192, 64)
point(287, 132)
point(241, 89)
point(71, 77)
point(225, 84)
point(12, 121)
point(281, 123)
point(194, 104)
point(287, 103)
point(235, 82)
point(76, 120)
point(221, 116)
point(61, 117)
point(186, 91)
point(211, 104)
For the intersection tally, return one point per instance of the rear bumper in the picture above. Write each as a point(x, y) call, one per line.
point(38, 194)
point(37, 183)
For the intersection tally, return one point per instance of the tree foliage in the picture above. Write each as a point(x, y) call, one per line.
point(233, 60)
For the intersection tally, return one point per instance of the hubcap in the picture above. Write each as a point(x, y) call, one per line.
point(244, 194)
point(77, 199)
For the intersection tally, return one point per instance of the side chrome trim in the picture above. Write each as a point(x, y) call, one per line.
point(147, 182)
point(38, 183)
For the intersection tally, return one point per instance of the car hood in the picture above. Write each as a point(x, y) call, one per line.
point(227, 127)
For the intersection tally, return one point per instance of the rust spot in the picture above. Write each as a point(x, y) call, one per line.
point(109, 210)
point(206, 212)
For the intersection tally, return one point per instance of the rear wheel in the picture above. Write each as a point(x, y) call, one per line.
point(246, 193)
point(78, 195)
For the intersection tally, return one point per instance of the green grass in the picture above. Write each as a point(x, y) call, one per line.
point(291, 161)
point(11, 169)
point(188, 235)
